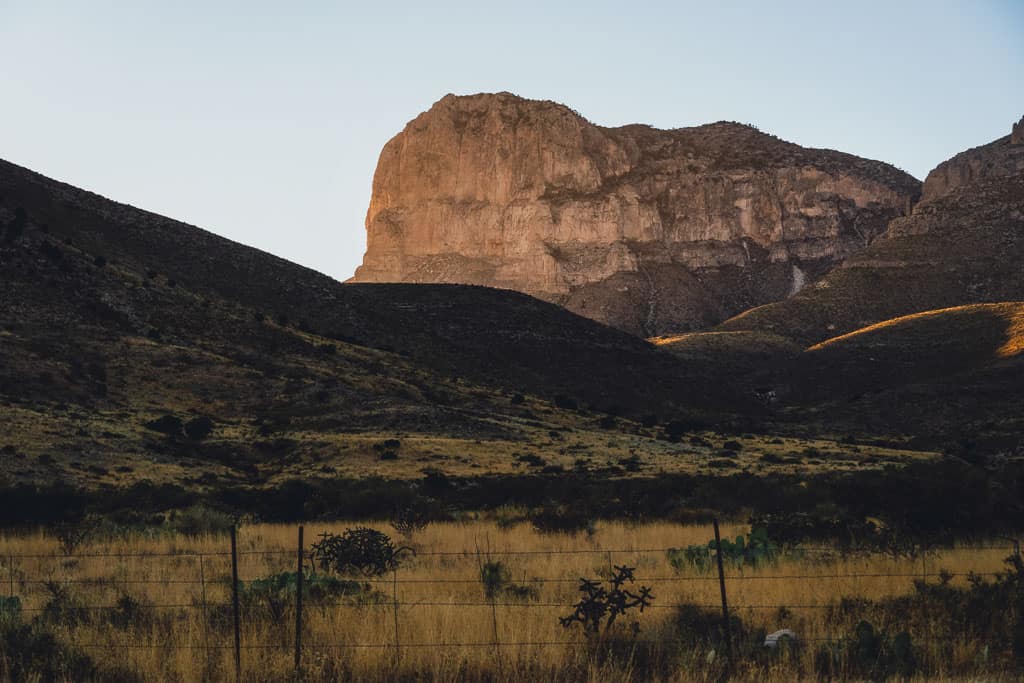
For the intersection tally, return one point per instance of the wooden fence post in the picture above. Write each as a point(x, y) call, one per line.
point(725, 603)
point(234, 604)
point(298, 605)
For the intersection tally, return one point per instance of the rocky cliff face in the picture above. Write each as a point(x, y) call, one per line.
point(648, 230)
point(1002, 157)
point(963, 244)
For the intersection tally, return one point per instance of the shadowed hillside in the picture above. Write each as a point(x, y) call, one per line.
point(485, 335)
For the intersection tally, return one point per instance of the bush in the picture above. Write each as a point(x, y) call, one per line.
point(168, 424)
point(363, 550)
point(566, 402)
point(410, 520)
point(871, 654)
point(276, 594)
point(562, 521)
point(198, 428)
point(28, 652)
point(497, 581)
point(199, 520)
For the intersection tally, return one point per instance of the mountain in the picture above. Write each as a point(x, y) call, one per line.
point(123, 333)
point(650, 231)
point(963, 244)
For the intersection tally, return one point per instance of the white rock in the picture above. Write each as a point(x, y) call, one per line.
point(772, 639)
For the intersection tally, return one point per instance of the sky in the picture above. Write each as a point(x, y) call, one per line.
point(262, 122)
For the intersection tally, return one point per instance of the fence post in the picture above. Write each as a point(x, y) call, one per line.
point(206, 618)
point(725, 602)
point(298, 606)
point(234, 604)
point(394, 594)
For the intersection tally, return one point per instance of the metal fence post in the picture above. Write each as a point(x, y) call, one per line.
point(394, 594)
point(298, 605)
point(725, 601)
point(206, 617)
point(234, 604)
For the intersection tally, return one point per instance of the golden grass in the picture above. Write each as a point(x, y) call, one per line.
point(359, 638)
point(945, 321)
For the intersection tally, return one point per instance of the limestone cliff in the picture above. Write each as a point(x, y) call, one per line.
point(648, 230)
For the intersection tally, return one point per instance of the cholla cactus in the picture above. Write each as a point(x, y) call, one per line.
point(602, 606)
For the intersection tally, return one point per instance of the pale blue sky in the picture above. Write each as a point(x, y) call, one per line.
point(262, 122)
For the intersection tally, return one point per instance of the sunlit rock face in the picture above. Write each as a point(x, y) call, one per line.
point(648, 230)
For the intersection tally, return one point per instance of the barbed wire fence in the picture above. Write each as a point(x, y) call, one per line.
point(21, 582)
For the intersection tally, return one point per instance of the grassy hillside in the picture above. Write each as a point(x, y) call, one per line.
point(136, 349)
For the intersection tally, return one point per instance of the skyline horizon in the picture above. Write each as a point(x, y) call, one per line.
point(265, 125)
point(348, 276)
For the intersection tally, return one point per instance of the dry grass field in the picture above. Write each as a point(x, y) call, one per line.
point(169, 615)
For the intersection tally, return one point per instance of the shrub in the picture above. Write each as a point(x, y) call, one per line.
point(732, 446)
point(198, 520)
point(562, 521)
point(566, 402)
point(517, 399)
point(277, 593)
point(631, 464)
point(28, 652)
point(363, 550)
point(167, 424)
point(71, 534)
point(599, 607)
point(410, 520)
point(10, 608)
point(532, 460)
point(497, 581)
point(198, 428)
point(871, 654)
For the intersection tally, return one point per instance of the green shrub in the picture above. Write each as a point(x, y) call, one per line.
point(754, 550)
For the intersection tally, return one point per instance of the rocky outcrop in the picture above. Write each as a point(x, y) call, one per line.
point(648, 230)
point(1003, 157)
point(964, 244)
